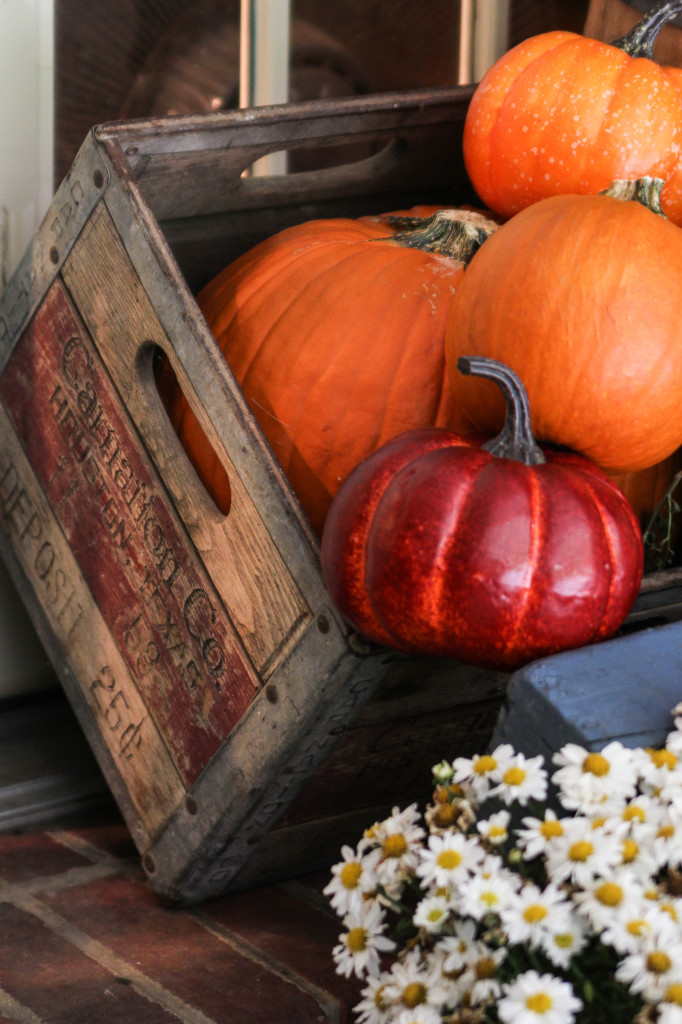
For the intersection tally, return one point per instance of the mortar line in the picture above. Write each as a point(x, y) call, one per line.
point(146, 987)
point(327, 1002)
point(17, 1011)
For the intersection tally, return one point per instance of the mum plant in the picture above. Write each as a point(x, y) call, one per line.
point(513, 901)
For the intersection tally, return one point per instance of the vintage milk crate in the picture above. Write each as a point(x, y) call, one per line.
point(243, 729)
point(201, 654)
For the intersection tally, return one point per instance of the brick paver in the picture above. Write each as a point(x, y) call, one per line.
point(83, 938)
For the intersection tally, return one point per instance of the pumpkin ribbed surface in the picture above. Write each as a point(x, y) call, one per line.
point(334, 333)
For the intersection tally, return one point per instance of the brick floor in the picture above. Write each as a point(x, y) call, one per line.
point(83, 938)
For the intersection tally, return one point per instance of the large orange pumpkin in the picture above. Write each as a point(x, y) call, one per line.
point(564, 113)
point(334, 330)
point(586, 307)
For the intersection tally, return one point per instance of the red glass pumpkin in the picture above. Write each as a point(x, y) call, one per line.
point(494, 554)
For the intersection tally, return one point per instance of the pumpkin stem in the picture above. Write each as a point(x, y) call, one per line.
point(515, 441)
point(454, 233)
point(639, 41)
point(646, 191)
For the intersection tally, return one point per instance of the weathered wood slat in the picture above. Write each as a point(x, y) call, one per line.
point(263, 600)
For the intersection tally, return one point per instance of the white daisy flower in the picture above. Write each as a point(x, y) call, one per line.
point(537, 834)
point(362, 942)
point(627, 928)
point(669, 1012)
point(660, 763)
point(637, 852)
point(561, 946)
point(419, 1015)
point(521, 779)
point(588, 778)
point(667, 841)
point(479, 896)
point(398, 840)
point(602, 897)
point(413, 982)
point(478, 982)
point(534, 998)
point(481, 770)
point(457, 950)
point(670, 1006)
point(654, 967)
point(495, 828)
point(431, 913)
point(533, 911)
point(582, 853)
point(352, 878)
point(374, 1008)
point(448, 859)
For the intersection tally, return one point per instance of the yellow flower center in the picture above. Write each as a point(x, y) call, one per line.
point(564, 940)
point(630, 850)
point(435, 914)
point(379, 1000)
point(596, 764)
point(609, 894)
point(497, 832)
point(445, 815)
point(356, 940)
point(658, 962)
point(395, 845)
point(534, 912)
point(414, 994)
point(514, 776)
point(485, 968)
point(539, 1002)
point(666, 832)
point(673, 994)
point(581, 850)
point(637, 926)
point(633, 812)
point(350, 874)
point(551, 828)
point(663, 758)
point(449, 859)
point(484, 764)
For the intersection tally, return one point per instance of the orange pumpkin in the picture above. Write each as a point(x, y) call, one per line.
point(564, 113)
point(334, 331)
point(646, 488)
point(586, 308)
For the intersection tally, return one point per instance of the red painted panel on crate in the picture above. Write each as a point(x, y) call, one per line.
point(157, 599)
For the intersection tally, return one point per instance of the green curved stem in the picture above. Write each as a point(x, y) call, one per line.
point(639, 41)
point(454, 233)
point(515, 441)
point(646, 191)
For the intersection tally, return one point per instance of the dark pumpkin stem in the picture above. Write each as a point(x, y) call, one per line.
point(515, 441)
point(454, 233)
point(646, 191)
point(639, 41)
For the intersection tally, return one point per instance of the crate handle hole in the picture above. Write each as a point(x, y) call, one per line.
point(198, 449)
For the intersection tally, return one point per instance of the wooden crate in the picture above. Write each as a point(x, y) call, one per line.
point(244, 730)
point(201, 653)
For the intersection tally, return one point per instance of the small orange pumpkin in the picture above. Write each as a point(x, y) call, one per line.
point(587, 309)
point(334, 330)
point(562, 112)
